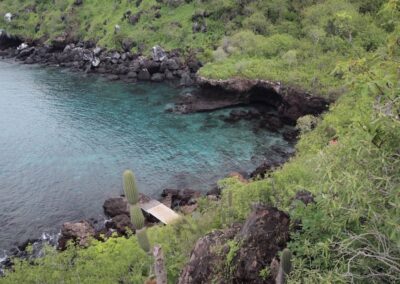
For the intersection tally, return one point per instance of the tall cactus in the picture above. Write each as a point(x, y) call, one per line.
point(143, 240)
point(285, 266)
point(130, 187)
point(137, 217)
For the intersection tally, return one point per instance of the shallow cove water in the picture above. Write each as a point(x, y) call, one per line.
point(65, 140)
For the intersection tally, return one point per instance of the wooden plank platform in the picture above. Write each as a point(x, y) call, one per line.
point(160, 211)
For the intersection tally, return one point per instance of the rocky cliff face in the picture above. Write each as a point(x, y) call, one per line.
point(290, 102)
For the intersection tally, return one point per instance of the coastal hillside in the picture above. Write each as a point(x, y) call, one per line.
point(295, 42)
point(334, 207)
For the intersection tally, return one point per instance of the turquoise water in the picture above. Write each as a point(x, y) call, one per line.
point(65, 140)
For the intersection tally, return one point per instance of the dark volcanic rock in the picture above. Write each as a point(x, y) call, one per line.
point(134, 19)
point(186, 80)
point(205, 259)
point(159, 53)
point(157, 77)
point(25, 53)
point(305, 196)
point(216, 190)
point(290, 134)
point(272, 123)
point(7, 40)
point(291, 103)
point(263, 235)
point(120, 223)
point(177, 197)
point(262, 170)
point(79, 232)
point(144, 75)
point(112, 77)
point(127, 44)
point(116, 206)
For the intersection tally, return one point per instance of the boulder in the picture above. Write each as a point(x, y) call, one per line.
point(134, 19)
point(116, 55)
point(112, 77)
point(131, 75)
point(290, 135)
point(305, 196)
point(121, 224)
point(22, 46)
point(152, 66)
point(97, 50)
point(127, 44)
point(79, 232)
point(121, 70)
point(194, 65)
point(95, 62)
point(171, 64)
point(158, 53)
point(262, 170)
point(176, 197)
point(263, 235)
point(117, 29)
point(24, 53)
point(157, 77)
point(144, 75)
point(257, 243)
point(116, 206)
point(207, 256)
point(169, 75)
point(134, 66)
point(8, 17)
point(186, 80)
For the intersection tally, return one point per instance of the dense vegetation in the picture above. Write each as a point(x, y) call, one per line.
point(350, 161)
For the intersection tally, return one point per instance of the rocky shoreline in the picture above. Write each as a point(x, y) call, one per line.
point(114, 65)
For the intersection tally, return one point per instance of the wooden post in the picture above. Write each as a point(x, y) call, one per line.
point(159, 265)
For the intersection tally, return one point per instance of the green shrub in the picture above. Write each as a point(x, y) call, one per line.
point(306, 123)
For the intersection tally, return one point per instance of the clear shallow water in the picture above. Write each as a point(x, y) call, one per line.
point(66, 139)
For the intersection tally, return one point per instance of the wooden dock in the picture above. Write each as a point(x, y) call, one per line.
point(159, 211)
